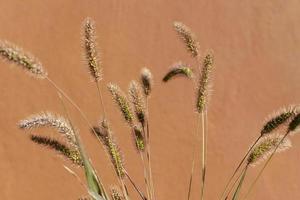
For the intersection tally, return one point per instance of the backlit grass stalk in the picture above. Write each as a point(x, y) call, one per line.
point(272, 123)
point(293, 125)
point(33, 67)
point(266, 147)
point(94, 182)
point(147, 84)
point(188, 38)
point(92, 56)
point(201, 105)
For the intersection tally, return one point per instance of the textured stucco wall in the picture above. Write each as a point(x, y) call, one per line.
point(256, 45)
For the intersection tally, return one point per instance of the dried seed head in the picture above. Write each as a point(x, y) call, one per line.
point(266, 146)
point(106, 136)
point(122, 102)
point(137, 99)
point(72, 154)
point(147, 81)
point(188, 38)
point(139, 138)
point(46, 119)
point(294, 124)
point(281, 117)
point(90, 47)
point(204, 83)
point(16, 55)
point(178, 69)
point(116, 194)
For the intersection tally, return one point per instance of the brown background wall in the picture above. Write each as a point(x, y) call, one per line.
point(256, 45)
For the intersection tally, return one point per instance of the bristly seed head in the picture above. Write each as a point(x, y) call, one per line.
point(122, 102)
point(139, 138)
point(71, 154)
point(16, 55)
point(294, 124)
point(266, 146)
point(106, 136)
point(204, 83)
point(138, 101)
point(47, 119)
point(90, 47)
point(147, 81)
point(116, 194)
point(281, 117)
point(188, 38)
point(178, 69)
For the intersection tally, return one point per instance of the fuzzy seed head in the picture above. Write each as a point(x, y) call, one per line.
point(116, 194)
point(280, 118)
point(106, 136)
point(122, 102)
point(72, 154)
point(267, 145)
point(90, 49)
point(294, 124)
point(147, 81)
point(47, 119)
point(138, 101)
point(139, 138)
point(202, 94)
point(177, 70)
point(14, 54)
point(188, 38)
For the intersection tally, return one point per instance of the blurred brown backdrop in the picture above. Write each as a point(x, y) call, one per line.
point(256, 45)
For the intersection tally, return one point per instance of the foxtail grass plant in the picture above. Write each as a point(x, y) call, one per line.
point(134, 108)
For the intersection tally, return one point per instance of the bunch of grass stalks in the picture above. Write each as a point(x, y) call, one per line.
point(134, 108)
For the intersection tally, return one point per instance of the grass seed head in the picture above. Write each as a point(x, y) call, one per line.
point(177, 70)
point(138, 101)
point(188, 38)
point(16, 55)
point(116, 194)
point(294, 124)
point(139, 138)
point(121, 100)
point(278, 119)
point(106, 136)
point(72, 154)
point(202, 95)
point(47, 119)
point(266, 146)
point(147, 81)
point(90, 49)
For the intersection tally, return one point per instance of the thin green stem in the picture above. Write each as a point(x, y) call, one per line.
point(237, 168)
point(239, 187)
point(233, 185)
point(90, 172)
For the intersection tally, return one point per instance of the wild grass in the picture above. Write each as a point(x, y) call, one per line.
point(134, 108)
